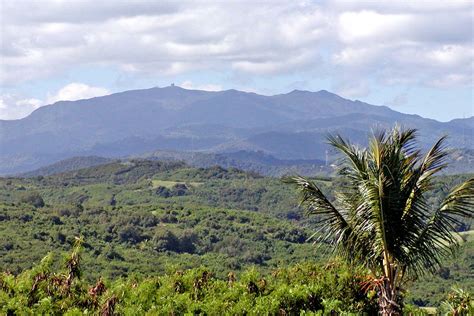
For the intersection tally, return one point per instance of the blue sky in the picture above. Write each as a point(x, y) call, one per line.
point(414, 56)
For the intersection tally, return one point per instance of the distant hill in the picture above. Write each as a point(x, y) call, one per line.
point(460, 162)
point(258, 162)
point(134, 170)
point(290, 126)
point(70, 164)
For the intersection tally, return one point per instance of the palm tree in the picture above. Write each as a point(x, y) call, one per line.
point(381, 217)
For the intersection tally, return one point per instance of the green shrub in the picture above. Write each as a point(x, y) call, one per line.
point(32, 198)
point(458, 303)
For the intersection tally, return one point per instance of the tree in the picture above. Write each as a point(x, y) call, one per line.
point(380, 217)
point(33, 198)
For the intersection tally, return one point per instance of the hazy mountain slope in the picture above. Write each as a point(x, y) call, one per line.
point(288, 126)
point(459, 162)
point(70, 164)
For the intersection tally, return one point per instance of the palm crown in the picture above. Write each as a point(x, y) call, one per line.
point(381, 217)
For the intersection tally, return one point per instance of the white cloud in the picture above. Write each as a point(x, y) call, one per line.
point(451, 56)
point(356, 57)
point(207, 87)
point(171, 39)
point(352, 89)
point(76, 91)
point(393, 42)
point(404, 41)
point(14, 107)
point(370, 26)
point(399, 100)
point(397, 6)
point(452, 80)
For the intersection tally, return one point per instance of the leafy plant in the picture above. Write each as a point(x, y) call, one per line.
point(458, 303)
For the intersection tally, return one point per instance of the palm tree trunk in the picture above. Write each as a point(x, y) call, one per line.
point(389, 299)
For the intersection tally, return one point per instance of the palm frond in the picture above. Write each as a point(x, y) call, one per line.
point(333, 222)
point(437, 240)
point(460, 201)
point(355, 158)
point(420, 179)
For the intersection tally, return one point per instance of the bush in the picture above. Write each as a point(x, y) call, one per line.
point(33, 198)
point(179, 189)
point(131, 234)
point(163, 191)
point(458, 303)
point(165, 240)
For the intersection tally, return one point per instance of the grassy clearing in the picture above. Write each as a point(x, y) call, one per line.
point(429, 310)
point(467, 235)
point(170, 184)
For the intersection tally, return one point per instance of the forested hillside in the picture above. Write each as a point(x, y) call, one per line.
point(145, 218)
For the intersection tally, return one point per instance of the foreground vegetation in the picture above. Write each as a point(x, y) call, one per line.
point(308, 287)
point(147, 223)
point(332, 288)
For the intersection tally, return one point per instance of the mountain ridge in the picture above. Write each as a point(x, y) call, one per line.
point(460, 162)
point(287, 126)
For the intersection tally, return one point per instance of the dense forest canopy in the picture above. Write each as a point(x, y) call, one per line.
point(147, 218)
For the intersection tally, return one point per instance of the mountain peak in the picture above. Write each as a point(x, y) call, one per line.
point(173, 87)
point(296, 91)
point(326, 93)
point(323, 93)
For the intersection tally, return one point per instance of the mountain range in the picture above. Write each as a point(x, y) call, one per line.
point(285, 127)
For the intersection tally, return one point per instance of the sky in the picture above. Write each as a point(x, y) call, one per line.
point(413, 56)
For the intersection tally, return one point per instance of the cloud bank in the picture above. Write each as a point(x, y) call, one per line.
point(390, 42)
point(13, 106)
point(76, 91)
